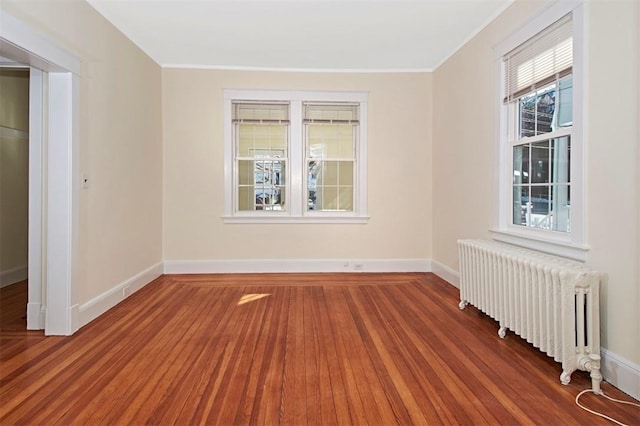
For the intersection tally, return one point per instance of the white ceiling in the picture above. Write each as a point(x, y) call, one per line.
point(367, 35)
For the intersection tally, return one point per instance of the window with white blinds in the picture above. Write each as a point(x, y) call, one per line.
point(541, 162)
point(295, 156)
point(331, 138)
point(260, 156)
point(546, 57)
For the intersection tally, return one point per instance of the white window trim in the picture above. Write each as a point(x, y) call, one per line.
point(574, 244)
point(295, 212)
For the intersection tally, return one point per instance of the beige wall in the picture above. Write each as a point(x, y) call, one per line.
point(14, 98)
point(120, 143)
point(465, 142)
point(14, 169)
point(399, 183)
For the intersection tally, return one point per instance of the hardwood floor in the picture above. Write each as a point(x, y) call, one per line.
point(293, 349)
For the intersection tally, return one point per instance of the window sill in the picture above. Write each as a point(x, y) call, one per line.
point(295, 220)
point(558, 248)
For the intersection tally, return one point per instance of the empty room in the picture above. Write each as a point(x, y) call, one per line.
point(319, 212)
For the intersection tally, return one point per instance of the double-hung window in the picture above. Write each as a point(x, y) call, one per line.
point(295, 156)
point(330, 141)
point(261, 133)
point(541, 142)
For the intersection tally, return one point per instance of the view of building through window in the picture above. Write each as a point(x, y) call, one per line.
point(541, 168)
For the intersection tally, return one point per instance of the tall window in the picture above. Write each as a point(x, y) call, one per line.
point(331, 138)
point(261, 150)
point(541, 161)
point(539, 98)
point(295, 156)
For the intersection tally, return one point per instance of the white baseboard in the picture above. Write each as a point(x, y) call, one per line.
point(446, 273)
point(97, 306)
point(295, 265)
point(36, 312)
point(621, 373)
point(13, 275)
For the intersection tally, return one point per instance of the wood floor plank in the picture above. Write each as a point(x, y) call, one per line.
point(293, 406)
point(286, 349)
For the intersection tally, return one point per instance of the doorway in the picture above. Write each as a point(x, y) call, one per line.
point(53, 158)
point(14, 190)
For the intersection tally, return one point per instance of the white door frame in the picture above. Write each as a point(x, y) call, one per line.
point(20, 42)
point(35, 305)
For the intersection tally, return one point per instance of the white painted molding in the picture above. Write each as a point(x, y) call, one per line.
point(299, 70)
point(35, 305)
point(100, 304)
point(620, 372)
point(295, 265)
point(443, 271)
point(36, 315)
point(13, 275)
point(62, 213)
point(45, 53)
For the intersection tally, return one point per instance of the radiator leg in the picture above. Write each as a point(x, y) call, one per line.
point(565, 377)
point(592, 364)
point(462, 304)
point(502, 331)
point(596, 379)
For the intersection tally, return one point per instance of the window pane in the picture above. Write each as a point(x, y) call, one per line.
point(261, 184)
point(262, 139)
point(565, 102)
point(540, 162)
point(560, 207)
point(540, 200)
point(330, 140)
point(345, 169)
point(541, 186)
point(539, 207)
point(520, 204)
point(521, 164)
point(345, 198)
point(545, 107)
point(245, 172)
point(560, 160)
point(527, 116)
point(246, 198)
point(536, 112)
point(330, 185)
point(531, 207)
point(269, 179)
point(327, 198)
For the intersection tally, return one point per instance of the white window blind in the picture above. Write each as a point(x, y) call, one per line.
point(330, 113)
point(251, 112)
point(541, 60)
